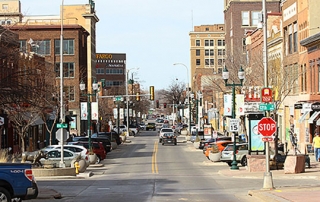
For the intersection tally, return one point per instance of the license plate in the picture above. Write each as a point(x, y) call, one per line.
point(169, 141)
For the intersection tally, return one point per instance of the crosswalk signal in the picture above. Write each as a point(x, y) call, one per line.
point(157, 103)
point(138, 96)
point(152, 93)
point(165, 105)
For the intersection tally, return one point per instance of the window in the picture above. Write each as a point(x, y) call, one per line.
point(245, 18)
point(23, 46)
point(206, 42)
point(208, 51)
point(290, 40)
point(197, 61)
point(5, 6)
point(211, 62)
point(114, 71)
point(295, 37)
point(244, 47)
point(100, 71)
point(211, 42)
point(219, 70)
point(41, 47)
point(69, 92)
point(197, 42)
point(221, 42)
point(221, 52)
point(198, 52)
point(68, 46)
point(8, 22)
point(303, 78)
point(318, 64)
point(254, 18)
point(220, 62)
point(68, 70)
point(211, 52)
point(113, 83)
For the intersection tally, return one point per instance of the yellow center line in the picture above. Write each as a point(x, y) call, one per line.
point(154, 166)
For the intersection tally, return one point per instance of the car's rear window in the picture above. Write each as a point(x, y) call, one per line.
point(166, 130)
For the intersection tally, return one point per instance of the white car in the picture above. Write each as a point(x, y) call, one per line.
point(54, 156)
point(163, 131)
point(77, 149)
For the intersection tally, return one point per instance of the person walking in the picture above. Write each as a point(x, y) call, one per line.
point(316, 146)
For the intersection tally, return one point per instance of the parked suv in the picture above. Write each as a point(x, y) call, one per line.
point(97, 148)
point(241, 154)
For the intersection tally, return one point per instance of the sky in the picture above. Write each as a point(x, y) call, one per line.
point(154, 34)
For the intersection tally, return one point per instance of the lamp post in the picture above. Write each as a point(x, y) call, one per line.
point(188, 93)
point(127, 97)
point(225, 77)
point(95, 87)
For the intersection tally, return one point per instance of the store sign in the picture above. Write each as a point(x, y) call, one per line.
point(315, 106)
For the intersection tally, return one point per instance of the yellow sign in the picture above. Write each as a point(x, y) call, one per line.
point(103, 56)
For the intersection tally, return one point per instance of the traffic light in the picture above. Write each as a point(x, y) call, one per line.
point(152, 93)
point(138, 96)
point(157, 103)
point(165, 105)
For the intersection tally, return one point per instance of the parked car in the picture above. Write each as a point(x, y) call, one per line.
point(54, 156)
point(151, 126)
point(164, 131)
point(241, 154)
point(206, 142)
point(104, 140)
point(77, 149)
point(134, 130)
point(97, 148)
point(142, 126)
point(122, 129)
point(169, 138)
point(113, 136)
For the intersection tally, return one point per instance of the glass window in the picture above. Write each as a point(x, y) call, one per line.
point(68, 70)
point(211, 62)
point(221, 51)
point(41, 47)
point(206, 52)
point(197, 61)
point(290, 39)
point(197, 42)
point(221, 42)
point(206, 42)
point(245, 18)
point(100, 71)
point(5, 6)
point(295, 37)
point(198, 52)
point(23, 46)
point(254, 18)
point(68, 46)
point(211, 52)
point(114, 71)
point(220, 62)
point(211, 42)
point(69, 92)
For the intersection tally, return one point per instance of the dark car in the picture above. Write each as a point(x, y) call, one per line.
point(169, 138)
point(104, 140)
point(112, 136)
point(151, 126)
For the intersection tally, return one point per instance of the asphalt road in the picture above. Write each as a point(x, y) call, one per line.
point(146, 171)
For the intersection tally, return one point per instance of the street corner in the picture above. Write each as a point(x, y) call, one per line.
point(45, 193)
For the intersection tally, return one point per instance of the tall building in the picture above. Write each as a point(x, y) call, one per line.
point(241, 16)
point(207, 55)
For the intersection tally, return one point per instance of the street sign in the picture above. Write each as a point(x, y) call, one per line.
point(266, 95)
point(266, 106)
point(118, 98)
point(234, 125)
point(267, 139)
point(267, 126)
point(62, 125)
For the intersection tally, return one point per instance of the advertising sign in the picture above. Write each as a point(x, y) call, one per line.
point(84, 111)
point(256, 143)
point(227, 105)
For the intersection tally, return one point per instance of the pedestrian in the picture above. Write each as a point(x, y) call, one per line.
point(316, 146)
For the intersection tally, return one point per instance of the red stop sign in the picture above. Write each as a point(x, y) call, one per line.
point(267, 126)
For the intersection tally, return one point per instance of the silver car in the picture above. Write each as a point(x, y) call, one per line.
point(241, 154)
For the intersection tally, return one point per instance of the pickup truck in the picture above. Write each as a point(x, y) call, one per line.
point(17, 181)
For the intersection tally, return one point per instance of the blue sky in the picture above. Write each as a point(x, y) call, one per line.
point(154, 34)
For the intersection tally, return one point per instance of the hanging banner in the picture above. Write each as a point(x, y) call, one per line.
point(94, 111)
point(115, 113)
point(121, 113)
point(227, 105)
point(239, 105)
point(84, 111)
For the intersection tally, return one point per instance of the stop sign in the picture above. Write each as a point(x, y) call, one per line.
point(267, 126)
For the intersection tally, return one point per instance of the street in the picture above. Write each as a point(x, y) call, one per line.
point(144, 170)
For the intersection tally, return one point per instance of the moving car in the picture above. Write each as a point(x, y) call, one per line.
point(169, 138)
point(151, 126)
point(241, 154)
point(163, 131)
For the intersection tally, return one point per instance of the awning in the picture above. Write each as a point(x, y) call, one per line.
point(313, 117)
point(303, 117)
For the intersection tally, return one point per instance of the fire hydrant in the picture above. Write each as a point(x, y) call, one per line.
point(77, 166)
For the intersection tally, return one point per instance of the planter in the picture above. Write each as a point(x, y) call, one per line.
point(188, 137)
point(196, 145)
point(215, 157)
point(92, 158)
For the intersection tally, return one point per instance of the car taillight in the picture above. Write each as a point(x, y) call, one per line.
point(237, 151)
point(28, 174)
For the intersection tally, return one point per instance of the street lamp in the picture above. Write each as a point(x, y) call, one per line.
point(188, 96)
point(225, 77)
point(95, 87)
point(127, 97)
